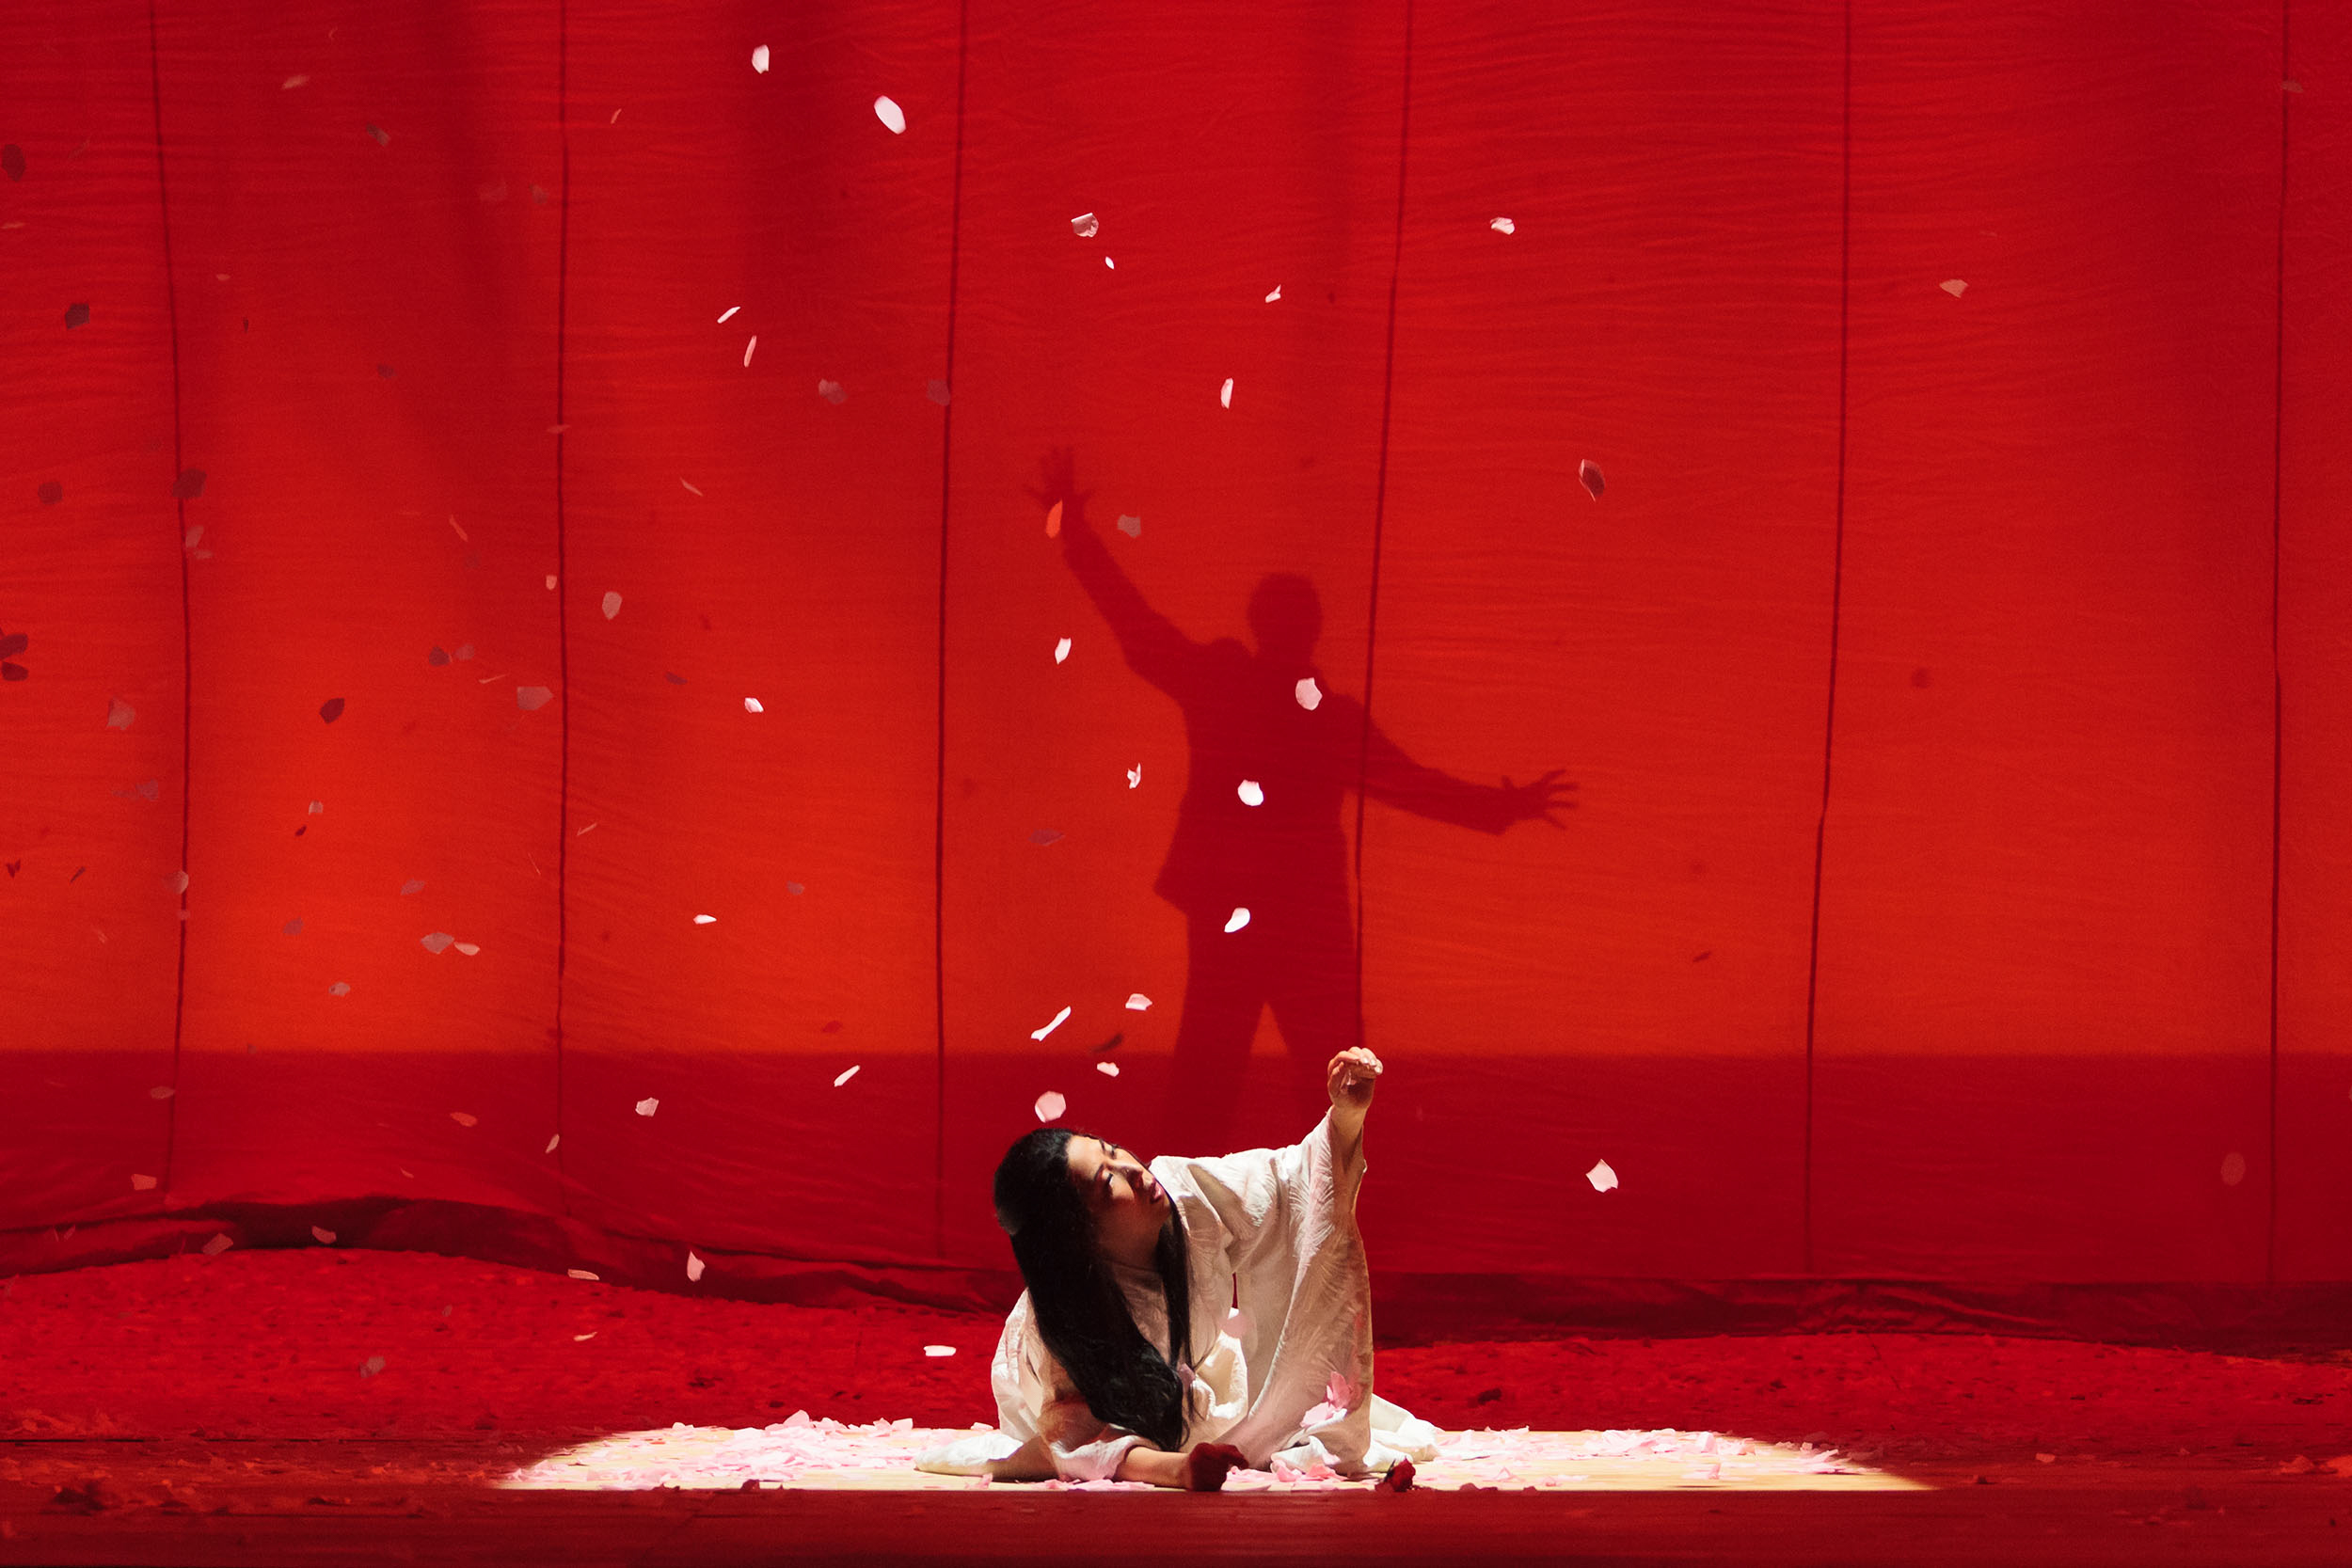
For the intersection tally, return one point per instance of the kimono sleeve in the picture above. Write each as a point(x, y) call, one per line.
point(1039, 1406)
point(1272, 1203)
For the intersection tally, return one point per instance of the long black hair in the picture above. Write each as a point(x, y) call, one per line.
point(1079, 1310)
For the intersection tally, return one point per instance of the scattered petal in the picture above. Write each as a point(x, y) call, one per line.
point(1589, 471)
point(1050, 1106)
point(296, 80)
point(693, 1268)
point(461, 1119)
point(317, 808)
point(530, 699)
point(795, 889)
point(550, 582)
point(75, 315)
point(728, 311)
point(1085, 225)
point(1954, 286)
point(830, 391)
point(1601, 1176)
point(580, 1274)
point(411, 885)
point(179, 881)
point(936, 392)
point(1059, 1018)
point(1135, 776)
point(320, 1234)
point(341, 988)
point(583, 1338)
point(706, 920)
point(383, 137)
point(689, 489)
point(611, 605)
point(2232, 1168)
point(1044, 836)
point(1108, 1070)
point(436, 942)
point(1061, 649)
point(291, 928)
point(847, 1076)
point(887, 111)
point(142, 1183)
point(1235, 920)
point(1252, 792)
point(939, 1350)
point(468, 949)
point(747, 350)
point(162, 1091)
point(331, 709)
point(189, 486)
point(760, 59)
point(119, 714)
point(1503, 226)
point(1274, 295)
point(1132, 526)
point(1139, 1002)
point(465, 650)
point(648, 1106)
point(1310, 695)
point(1109, 263)
point(551, 1143)
point(750, 704)
point(1225, 396)
point(218, 1244)
point(372, 1366)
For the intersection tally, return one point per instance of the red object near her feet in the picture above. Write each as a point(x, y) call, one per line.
point(1207, 1464)
point(1400, 1477)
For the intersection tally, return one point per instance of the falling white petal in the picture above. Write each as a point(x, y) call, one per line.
point(1059, 1018)
point(1503, 226)
point(1085, 225)
point(1235, 920)
point(1139, 1002)
point(580, 1274)
point(1310, 695)
point(648, 1106)
point(1251, 792)
point(437, 943)
point(1954, 286)
point(939, 1350)
point(1225, 397)
point(689, 488)
point(2232, 1168)
point(760, 59)
point(747, 350)
point(891, 114)
point(1061, 649)
point(461, 1119)
point(729, 312)
point(551, 1143)
point(550, 582)
point(1050, 1106)
point(470, 949)
point(706, 920)
point(1135, 776)
point(611, 605)
point(1274, 295)
point(142, 1183)
point(320, 1234)
point(1108, 1070)
point(847, 1076)
point(1601, 1176)
point(693, 1268)
point(750, 704)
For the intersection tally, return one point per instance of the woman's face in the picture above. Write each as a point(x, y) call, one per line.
point(1128, 1205)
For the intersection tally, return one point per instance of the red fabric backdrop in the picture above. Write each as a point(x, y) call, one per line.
point(1954, 669)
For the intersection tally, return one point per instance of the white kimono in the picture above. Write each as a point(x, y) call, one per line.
point(1287, 1377)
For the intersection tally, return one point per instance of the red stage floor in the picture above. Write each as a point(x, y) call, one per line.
point(230, 1409)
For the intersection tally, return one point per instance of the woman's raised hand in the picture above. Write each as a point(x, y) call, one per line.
point(1352, 1077)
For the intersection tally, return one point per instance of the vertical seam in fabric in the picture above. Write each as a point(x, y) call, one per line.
point(180, 537)
point(562, 578)
point(1379, 512)
point(939, 777)
point(1837, 592)
point(2278, 678)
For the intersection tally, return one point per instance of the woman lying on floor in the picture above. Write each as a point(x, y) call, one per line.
point(1097, 1379)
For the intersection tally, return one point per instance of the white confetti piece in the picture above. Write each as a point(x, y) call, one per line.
point(1050, 1106)
point(530, 699)
point(1274, 295)
point(317, 808)
point(706, 920)
point(689, 489)
point(218, 1244)
point(752, 704)
point(747, 350)
point(648, 1105)
point(847, 1076)
point(1132, 526)
point(461, 1119)
point(162, 1091)
point(372, 1366)
point(1954, 286)
point(119, 714)
point(1252, 792)
point(320, 1234)
point(1589, 473)
point(795, 889)
point(470, 949)
point(1601, 1176)
point(436, 942)
point(550, 582)
point(1061, 649)
point(888, 112)
point(1503, 226)
point(1135, 776)
point(580, 1274)
point(1085, 225)
point(142, 1183)
point(760, 59)
point(1139, 1002)
point(1310, 695)
point(1235, 920)
point(287, 85)
point(1108, 1070)
point(1225, 396)
point(832, 393)
point(936, 1351)
point(179, 881)
point(551, 1143)
point(1109, 263)
point(1059, 1018)
point(341, 988)
point(693, 1268)
point(611, 605)
point(411, 885)
point(2232, 1168)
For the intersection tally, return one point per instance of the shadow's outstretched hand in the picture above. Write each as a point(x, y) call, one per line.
point(1538, 799)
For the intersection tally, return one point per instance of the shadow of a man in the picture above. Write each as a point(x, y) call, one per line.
point(1273, 755)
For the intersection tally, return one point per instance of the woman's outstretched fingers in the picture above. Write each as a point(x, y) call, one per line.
point(1207, 1463)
